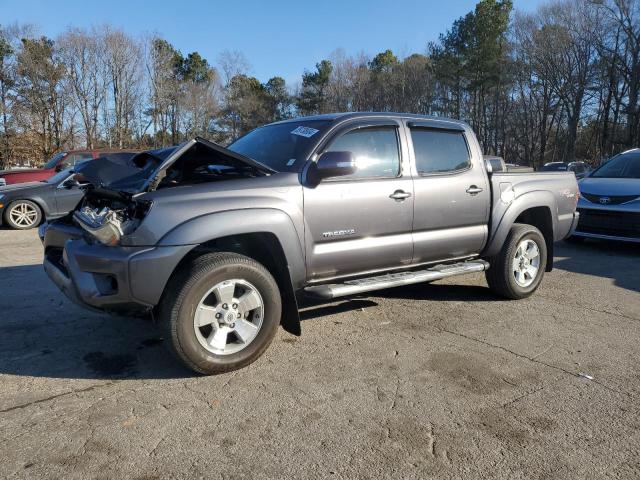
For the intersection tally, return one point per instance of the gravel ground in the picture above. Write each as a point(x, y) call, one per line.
point(442, 380)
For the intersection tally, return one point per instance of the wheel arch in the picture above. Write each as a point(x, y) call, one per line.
point(266, 235)
point(540, 217)
point(534, 208)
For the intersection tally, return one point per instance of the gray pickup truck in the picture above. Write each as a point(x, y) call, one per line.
point(221, 244)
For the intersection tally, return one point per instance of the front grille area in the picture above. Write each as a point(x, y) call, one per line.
point(602, 222)
point(609, 199)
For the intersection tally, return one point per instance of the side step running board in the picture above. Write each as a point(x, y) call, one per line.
point(360, 285)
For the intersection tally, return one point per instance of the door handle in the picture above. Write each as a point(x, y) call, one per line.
point(399, 195)
point(473, 190)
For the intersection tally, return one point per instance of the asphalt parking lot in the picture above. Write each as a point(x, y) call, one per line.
point(432, 380)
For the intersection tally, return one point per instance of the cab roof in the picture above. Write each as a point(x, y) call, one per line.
point(337, 116)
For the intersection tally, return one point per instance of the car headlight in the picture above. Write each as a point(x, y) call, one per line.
point(104, 225)
point(108, 226)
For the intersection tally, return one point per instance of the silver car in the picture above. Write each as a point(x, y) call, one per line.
point(609, 202)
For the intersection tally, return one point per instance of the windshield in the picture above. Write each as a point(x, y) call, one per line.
point(554, 167)
point(280, 146)
point(53, 161)
point(620, 166)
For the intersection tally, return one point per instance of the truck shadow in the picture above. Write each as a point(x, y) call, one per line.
point(42, 334)
point(441, 292)
point(615, 260)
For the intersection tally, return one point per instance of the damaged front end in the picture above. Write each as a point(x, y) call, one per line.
point(107, 216)
point(100, 255)
point(105, 225)
point(112, 208)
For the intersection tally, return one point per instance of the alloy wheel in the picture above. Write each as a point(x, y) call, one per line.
point(526, 263)
point(229, 317)
point(23, 215)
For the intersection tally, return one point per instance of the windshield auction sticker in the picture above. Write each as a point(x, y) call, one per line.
point(305, 131)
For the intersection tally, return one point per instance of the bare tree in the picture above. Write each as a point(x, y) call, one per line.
point(233, 63)
point(84, 56)
point(624, 19)
point(565, 56)
point(123, 57)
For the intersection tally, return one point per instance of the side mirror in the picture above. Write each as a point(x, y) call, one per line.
point(70, 182)
point(332, 164)
point(59, 167)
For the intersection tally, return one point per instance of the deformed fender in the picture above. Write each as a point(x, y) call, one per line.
point(236, 222)
point(212, 226)
point(505, 214)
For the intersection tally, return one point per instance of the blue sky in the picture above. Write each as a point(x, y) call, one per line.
point(277, 37)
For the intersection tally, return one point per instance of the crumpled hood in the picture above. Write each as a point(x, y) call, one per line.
point(107, 173)
point(610, 186)
point(145, 170)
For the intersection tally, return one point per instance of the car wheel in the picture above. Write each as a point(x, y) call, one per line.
point(23, 215)
point(517, 270)
point(220, 312)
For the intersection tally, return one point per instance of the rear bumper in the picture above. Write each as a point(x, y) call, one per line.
point(107, 278)
point(574, 224)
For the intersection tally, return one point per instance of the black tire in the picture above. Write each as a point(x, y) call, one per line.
point(500, 275)
point(183, 294)
point(29, 205)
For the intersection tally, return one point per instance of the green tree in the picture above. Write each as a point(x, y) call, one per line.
point(279, 100)
point(470, 62)
point(246, 106)
point(313, 97)
point(194, 68)
point(384, 80)
point(40, 90)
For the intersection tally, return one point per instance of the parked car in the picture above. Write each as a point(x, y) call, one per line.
point(581, 169)
point(221, 243)
point(26, 205)
point(609, 203)
point(58, 162)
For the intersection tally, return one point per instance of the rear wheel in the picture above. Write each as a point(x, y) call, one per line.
point(220, 312)
point(23, 215)
point(517, 270)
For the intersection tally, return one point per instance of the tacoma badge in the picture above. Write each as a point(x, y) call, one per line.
point(339, 233)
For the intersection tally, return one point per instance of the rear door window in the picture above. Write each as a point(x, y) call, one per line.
point(439, 151)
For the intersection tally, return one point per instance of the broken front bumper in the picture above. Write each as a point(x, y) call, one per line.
point(107, 278)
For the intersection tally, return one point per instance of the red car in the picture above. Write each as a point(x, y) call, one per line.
point(58, 162)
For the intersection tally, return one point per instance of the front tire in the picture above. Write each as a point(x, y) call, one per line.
point(220, 312)
point(517, 270)
point(23, 215)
